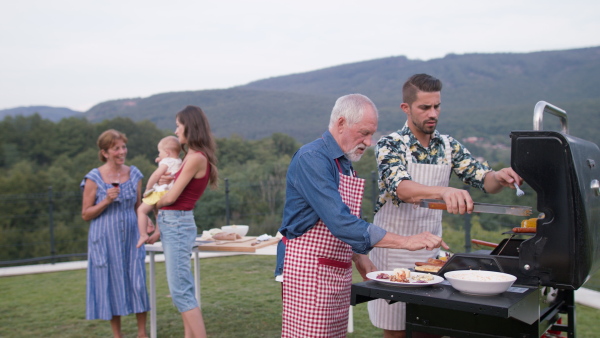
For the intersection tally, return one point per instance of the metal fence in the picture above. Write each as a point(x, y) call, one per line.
point(28, 222)
point(47, 226)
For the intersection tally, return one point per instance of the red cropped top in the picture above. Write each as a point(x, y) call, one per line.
point(191, 193)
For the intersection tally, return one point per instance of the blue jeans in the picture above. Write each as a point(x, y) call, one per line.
point(178, 234)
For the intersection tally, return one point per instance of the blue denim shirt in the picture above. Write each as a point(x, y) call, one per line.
point(312, 184)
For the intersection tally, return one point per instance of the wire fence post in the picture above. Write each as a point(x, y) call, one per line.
point(227, 211)
point(51, 221)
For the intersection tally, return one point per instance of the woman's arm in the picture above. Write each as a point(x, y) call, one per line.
point(194, 167)
point(161, 170)
point(89, 210)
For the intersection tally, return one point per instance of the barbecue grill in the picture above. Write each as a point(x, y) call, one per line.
point(549, 264)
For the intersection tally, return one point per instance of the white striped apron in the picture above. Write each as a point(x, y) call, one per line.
point(407, 219)
point(318, 275)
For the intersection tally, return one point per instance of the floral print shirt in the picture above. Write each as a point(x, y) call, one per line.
point(393, 150)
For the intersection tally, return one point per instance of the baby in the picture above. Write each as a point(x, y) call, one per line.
point(168, 163)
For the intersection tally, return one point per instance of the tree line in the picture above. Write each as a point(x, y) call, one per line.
point(42, 164)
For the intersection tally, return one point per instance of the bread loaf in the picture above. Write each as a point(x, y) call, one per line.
point(226, 236)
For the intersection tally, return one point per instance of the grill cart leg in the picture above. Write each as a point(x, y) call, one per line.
point(569, 309)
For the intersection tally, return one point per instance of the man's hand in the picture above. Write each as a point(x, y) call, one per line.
point(507, 176)
point(458, 201)
point(496, 180)
point(364, 265)
point(424, 240)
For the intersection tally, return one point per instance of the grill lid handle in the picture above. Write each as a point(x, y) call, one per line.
point(538, 116)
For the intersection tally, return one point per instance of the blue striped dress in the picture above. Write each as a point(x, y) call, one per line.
point(116, 275)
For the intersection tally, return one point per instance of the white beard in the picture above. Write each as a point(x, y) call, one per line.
point(353, 155)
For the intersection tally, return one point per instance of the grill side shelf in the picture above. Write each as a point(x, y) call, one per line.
point(445, 296)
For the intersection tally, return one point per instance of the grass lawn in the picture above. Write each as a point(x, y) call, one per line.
point(239, 299)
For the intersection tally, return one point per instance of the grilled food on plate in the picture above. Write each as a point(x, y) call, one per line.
point(432, 265)
point(400, 275)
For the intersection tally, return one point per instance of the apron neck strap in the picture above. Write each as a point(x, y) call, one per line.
point(340, 168)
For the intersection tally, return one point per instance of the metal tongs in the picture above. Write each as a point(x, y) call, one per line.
point(516, 210)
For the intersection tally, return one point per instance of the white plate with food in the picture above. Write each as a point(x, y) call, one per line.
point(414, 279)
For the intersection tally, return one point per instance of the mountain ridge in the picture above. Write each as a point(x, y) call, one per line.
point(484, 95)
point(54, 114)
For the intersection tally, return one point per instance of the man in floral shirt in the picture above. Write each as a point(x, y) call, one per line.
point(415, 163)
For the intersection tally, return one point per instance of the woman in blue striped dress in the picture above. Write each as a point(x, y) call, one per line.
point(116, 275)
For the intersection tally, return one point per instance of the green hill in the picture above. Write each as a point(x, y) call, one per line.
point(484, 95)
point(250, 113)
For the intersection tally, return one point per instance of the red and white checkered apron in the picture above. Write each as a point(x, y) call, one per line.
point(318, 275)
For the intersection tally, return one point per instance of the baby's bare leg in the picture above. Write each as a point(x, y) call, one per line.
point(142, 213)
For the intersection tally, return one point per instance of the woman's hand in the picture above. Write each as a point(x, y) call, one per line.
point(154, 237)
point(113, 193)
point(150, 228)
point(165, 179)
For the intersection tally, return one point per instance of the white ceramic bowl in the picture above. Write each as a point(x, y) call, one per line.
point(479, 282)
point(241, 230)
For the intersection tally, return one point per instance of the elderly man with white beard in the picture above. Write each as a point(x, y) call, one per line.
point(322, 228)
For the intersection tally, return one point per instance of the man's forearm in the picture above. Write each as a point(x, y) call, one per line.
point(412, 192)
point(424, 240)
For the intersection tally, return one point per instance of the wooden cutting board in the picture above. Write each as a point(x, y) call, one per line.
point(241, 245)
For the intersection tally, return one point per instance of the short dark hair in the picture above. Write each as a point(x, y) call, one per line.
point(419, 82)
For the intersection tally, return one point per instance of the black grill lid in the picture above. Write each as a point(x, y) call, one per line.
point(564, 171)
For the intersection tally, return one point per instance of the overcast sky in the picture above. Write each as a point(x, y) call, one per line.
point(77, 53)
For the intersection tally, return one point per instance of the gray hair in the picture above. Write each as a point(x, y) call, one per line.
point(352, 107)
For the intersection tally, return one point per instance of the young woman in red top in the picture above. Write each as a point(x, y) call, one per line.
point(176, 225)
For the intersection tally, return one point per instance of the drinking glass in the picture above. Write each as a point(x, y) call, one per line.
point(115, 180)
